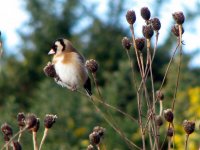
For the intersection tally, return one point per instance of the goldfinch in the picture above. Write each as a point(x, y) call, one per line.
point(69, 66)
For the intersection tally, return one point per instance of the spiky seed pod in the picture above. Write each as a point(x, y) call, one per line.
point(145, 13)
point(155, 22)
point(175, 30)
point(159, 120)
point(99, 130)
point(147, 31)
point(21, 119)
point(49, 70)
point(170, 132)
point(169, 116)
point(17, 146)
point(92, 65)
point(159, 95)
point(179, 17)
point(126, 43)
point(94, 138)
point(30, 121)
point(189, 126)
point(140, 42)
point(49, 120)
point(90, 147)
point(37, 126)
point(131, 17)
point(6, 130)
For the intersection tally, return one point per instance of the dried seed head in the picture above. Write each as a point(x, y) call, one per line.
point(90, 147)
point(99, 130)
point(140, 42)
point(94, 138)
point(21, 119)
point(6, 138)
point(155, 22)
point(145, 13)
point(92, 65)
point(37, 126)
point(169, 116)
point(159, 95)
point(17, 146)
point(170, 132)
point(147, 31)
point(179, 17)
point(175, 30)
point(131, 17)
point(126, 43)
point(6, 130)
point(49, 70)
point(189, 126)
point(49, 120)
point(159, 120)
point(30, 121)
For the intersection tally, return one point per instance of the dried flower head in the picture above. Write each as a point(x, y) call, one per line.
point(37, 126)
point(179, 17)
point(175, 30)
point(126, 43)
point(159, 95)
point(147, 31)
point(170, 132)
point(92, 65)
point(6, 130)
point(189, 126)
point(90, 147)
point(17, 146)
point(49, 70)
point(131, 17)
point(155, 22)
point(49, 120)
point(21, 119)
point(99, 130)
point(159, 120)
point(140, 42)
point(145, 13)
point(169, 116)
point(94, 138)
point(30, 121)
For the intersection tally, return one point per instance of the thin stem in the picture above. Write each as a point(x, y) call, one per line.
point(98, 147)
point(7, 147)
point(20, 134)
point(43, 138)
point(161, 107)
point(35, 145)
point(186, 141)
point(169, 143)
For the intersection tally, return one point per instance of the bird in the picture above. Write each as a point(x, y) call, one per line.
point(69, 65)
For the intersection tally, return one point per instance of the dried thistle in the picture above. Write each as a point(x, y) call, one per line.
point(131, 17)
point(169, 116)
point(140, 43)
point(30, 121)
point(175, 30)
point(92, 65)
point(159, 120)
point(7, 130)
point(159, 95)
point(147, 31)
point(21, 119)
point(49, 120)
point(170, 132)
point(145, 13)
point(49, 70)
point(126, 43)
point(189, 126)
point(99, 130)
point(155, 22)
point(94, 138)
point(179, 17)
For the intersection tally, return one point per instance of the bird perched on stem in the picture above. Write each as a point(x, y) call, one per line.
point(69, 66)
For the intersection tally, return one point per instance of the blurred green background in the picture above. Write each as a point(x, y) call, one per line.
point(25, 88)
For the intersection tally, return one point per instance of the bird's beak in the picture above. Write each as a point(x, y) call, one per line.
point(51, 52)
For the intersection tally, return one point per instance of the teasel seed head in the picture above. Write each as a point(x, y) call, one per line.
point(159, 120)
point(175, 30)
point(155, 22)
point(92, 65)
point(94, 138)
point(21, 119)
point(169, 116)
point(30, 121)
point(189, 126)
point(147, 31)
point(90, 147)
point(131, 17)
point(37, 126)
point(99, 130)
point(140, 43)
point(159, 95)
point(145, 13)
point(7, 130)
point(49, 70)
point(49, 120)
point(170, 132)
point(179, 17)
point(126, 43)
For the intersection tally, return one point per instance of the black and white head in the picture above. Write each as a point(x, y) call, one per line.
point(61, 45)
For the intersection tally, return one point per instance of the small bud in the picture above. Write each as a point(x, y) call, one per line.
point(99, 130)
point(7, 130)
point(189, 126)
point(159, 95)
point(169, 116)
point(147, 31)
point(49, 120)
point(30, 121)
point(90, 147)
point(140, 42)
point(94, 138)
point(155, 22)
point(17, 146)
point(131, 17)
point(159, 120)
point(37, 126)
point(49, 70)
point(175, 30)
point(92, 65)
point(170, 132)
point(145, 13)
point(126, 43)
point(179, 17)
point(21, 119)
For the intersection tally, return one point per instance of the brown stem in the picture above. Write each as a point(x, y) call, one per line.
point(43, 138)
point(186, 141)
point(35, 145)
point(169, 143)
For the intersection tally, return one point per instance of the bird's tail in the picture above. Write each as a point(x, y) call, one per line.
point(87, 86)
